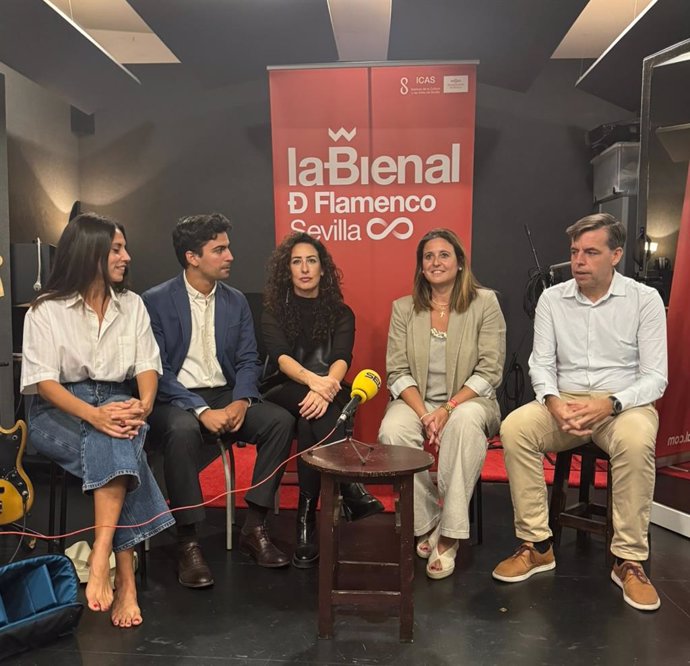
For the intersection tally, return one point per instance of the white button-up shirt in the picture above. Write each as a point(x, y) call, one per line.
point(616, 345)
point(64, 343)
point(201, 368)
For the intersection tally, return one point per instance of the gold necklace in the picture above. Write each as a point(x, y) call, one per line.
point(442, 307)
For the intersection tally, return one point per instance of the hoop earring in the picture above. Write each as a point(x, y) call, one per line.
point(287, 296)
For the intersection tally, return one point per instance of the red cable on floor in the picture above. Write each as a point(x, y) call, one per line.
point(48, 537)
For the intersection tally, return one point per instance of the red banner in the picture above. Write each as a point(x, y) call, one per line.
point(673, 439)
point(368, 159)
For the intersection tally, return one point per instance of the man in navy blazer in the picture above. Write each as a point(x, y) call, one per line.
point(205, 332)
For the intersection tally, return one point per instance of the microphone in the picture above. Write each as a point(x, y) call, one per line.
point(365, 386)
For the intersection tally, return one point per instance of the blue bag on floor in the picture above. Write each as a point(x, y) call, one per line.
point(38, 602)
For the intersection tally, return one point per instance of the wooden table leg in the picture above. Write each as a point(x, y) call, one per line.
point(327, 556)
point(406, 559)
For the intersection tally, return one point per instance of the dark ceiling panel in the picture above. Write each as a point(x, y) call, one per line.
point(225, 41)
point(513, 39)
point(38, 43)
point(617, 75)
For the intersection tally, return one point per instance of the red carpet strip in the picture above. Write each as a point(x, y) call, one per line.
point(213, 481)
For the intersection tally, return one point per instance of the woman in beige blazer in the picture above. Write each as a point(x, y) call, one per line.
point(446, 348)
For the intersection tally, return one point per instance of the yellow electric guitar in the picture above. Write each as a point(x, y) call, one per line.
point(16, 491)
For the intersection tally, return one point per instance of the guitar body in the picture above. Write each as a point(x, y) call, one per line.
point(16, 490)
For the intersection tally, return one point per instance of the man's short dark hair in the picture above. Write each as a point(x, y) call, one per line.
point(191, 233)
point(615, 229)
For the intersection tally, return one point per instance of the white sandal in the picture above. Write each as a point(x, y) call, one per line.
point(426, 545)
point(447, 560)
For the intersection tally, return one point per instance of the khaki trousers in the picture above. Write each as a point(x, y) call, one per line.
point(460, 460)
point(629, 439)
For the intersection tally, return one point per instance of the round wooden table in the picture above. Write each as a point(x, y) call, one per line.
point(352, 461)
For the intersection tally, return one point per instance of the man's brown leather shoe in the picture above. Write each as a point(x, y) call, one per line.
point(257, 543)
point(192, 570)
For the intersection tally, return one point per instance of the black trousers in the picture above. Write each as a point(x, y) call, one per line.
point(288, 395)
point(179, 434)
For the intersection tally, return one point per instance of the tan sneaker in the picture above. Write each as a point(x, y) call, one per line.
point(525, 562)
point(638, 590)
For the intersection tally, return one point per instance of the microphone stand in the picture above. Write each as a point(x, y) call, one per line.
point(356, 444)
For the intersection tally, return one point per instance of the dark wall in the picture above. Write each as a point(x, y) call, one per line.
point(42, 160)
point(176, 149)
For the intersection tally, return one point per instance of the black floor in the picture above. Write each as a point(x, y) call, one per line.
point(254, 616)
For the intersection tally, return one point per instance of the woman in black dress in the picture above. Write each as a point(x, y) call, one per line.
point(309, 334)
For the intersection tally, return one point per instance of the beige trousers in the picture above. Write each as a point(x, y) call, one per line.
point(629, 439)
point(460, 460)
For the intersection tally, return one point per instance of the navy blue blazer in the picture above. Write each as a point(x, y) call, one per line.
point(171, 321)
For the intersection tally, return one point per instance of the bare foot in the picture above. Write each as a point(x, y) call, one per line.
point(126, 611)
point(99, 592)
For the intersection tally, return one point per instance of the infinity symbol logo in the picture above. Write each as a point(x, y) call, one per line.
point(403, 85)
point(388, 229)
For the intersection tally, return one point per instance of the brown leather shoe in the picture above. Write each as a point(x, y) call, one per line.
point(257, 543)
point(192, 570)
point(638, 590)
point(524, 563)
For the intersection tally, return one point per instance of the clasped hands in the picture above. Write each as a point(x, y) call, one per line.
point(228, 419)
point(434, 423)
point(121, 419)
point(578, 417)
point(322, 391)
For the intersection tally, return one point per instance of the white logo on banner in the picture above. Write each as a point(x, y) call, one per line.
point(389, 229)
point(403, 85)
point(340, 229)
point(342, 132)
point(345, 166)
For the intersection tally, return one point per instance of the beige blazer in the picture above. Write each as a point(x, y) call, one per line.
point(475, 347)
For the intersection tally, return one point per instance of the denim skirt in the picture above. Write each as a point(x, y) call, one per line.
point(97, 458)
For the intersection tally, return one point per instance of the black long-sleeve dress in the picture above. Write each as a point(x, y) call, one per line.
point(316, 356)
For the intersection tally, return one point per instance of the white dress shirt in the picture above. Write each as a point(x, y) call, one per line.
point(616, 345)
point(63, 342)
point(201, 368)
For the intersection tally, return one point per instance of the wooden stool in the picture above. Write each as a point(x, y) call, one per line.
point(395, 465)
point(581, 516)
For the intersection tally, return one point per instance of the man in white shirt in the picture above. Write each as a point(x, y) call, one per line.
point(205, 332)
point(598, 363)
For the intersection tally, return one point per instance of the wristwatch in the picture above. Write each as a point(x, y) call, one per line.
point(615, 405)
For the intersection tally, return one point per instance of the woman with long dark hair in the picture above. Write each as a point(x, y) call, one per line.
point(446, 347)
point(309, 333)
point(85, 337)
